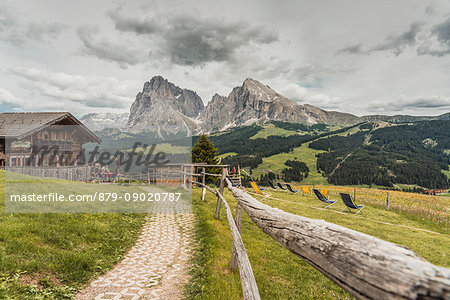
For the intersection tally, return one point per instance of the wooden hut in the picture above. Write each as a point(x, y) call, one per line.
point(20, 133)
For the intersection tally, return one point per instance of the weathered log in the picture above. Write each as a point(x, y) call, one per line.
point(203, 184)
point(365, 266)
point(248, 282)
point(222, 184)
point(207, 187)
point(238, 221)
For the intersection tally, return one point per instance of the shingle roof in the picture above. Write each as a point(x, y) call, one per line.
point(20, 125)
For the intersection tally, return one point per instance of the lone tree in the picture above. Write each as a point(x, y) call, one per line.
point(205, 152)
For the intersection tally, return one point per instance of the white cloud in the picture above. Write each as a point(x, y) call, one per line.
point(294, 91)
point(405, 102)
point(304, 96)
point(17, 31)
point(276, 44)
point(91, 91)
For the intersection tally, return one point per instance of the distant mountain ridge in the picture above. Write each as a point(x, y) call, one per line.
point(100, 121)
point(404, 118)
point(254, 102)
point(162, 106)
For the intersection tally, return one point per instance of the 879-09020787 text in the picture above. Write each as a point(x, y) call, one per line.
point(101, 197)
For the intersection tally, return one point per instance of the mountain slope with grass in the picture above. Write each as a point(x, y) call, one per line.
point(413, 154)
point(373, 153)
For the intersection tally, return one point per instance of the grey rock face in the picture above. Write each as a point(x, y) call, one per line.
point(162, 106)
point(254, 102)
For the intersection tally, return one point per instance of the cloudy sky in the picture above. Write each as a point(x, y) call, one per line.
point(363, 57)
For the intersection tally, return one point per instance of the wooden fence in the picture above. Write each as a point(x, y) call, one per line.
point(365, 266)
point(78, 173)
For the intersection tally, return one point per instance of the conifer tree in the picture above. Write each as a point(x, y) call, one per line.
point(204, 152)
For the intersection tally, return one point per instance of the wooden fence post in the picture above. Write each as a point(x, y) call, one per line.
point(183, 177)
point(222, 184)
point(203, 182)
point(388, 198)
point(238, 221)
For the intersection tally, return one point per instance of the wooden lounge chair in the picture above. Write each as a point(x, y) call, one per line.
point(258, 190)
point(324, 199)
point(349, 204)
point(325, 193)
point(305, 190)
point(272, 186)
point(289, 187)
point(281, 186)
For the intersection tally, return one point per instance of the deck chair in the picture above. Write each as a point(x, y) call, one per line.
point(327, 202)
point(272, 186)
point(289, 187)
point(281, 186)
point(349, 204)
point(258, 190)
point(305, 190)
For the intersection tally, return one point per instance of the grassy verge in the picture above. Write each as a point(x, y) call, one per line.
point(279, 273)
point(51, 256)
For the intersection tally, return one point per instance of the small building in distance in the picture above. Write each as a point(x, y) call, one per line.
point(22, 132)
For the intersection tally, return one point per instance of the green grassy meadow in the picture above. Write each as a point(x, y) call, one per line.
point(271, 129)
point(279, 273)
point(51, 256)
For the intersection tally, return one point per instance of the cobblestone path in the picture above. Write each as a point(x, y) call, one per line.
point(155, 268)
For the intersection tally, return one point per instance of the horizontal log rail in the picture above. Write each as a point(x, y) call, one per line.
point(207, 187)
point(210, 174)
point(365, 266)
point(198, 175)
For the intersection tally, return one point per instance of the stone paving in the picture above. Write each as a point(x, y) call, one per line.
point(155, 268)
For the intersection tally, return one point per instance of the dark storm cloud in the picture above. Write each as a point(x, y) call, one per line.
point(107, 49)
point(434, 41)
point(398, 43)
point(133, 23)
point(190, 40)
point(17, 32)
point(442, 34)
point(194, 42)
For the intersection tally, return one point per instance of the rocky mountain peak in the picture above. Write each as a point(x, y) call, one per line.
point(261, 91)
point(161, 85)
point(163, 105)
